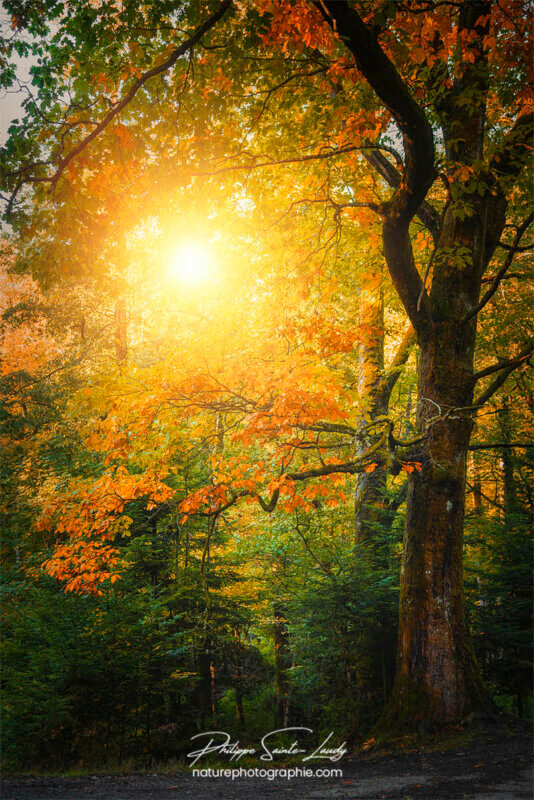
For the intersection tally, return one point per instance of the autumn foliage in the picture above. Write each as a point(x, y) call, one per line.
point(243, 447)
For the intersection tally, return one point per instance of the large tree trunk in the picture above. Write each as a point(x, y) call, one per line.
point(437, 677)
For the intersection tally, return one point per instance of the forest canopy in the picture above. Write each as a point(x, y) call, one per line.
point(265, 369)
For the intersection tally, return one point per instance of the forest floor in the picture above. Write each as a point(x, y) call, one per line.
point(491, 767)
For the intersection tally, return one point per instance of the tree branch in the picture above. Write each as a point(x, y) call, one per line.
point(386, 81)
point(505, 166)
point(426, 213)
point(505, 370)
point(500, 274)
point(509, 159)
point(499, 445)
point(510, 362)
point(128, 97)
point(508, 277)
point(419, 172)
point(276, 162)
point(321, 564)
point(329, 427)
point(485, 496)
point(389, 380)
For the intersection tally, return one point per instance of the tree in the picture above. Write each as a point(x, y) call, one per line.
point(440, 91)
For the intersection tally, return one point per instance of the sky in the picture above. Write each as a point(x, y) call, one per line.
point(10, 101)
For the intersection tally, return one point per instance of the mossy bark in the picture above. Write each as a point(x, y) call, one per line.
point(374, 666)
point(369, 494)
point(437, 680)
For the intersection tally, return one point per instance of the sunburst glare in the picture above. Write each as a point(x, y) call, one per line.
point(191, 262)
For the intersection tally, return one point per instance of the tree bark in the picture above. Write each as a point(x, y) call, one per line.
point(282, 660)
point(370, 487)
point(237, 681)
point(437, 678)
point(372, 515)
point(510, 504)
point(375, 385)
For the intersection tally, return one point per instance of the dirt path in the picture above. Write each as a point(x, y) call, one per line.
point(486, 770)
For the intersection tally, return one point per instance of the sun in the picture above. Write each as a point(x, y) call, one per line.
point(191, 262)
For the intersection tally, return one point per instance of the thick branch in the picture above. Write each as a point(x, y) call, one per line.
point(523, 355)
point(426, 213)
point(522, 249)
point(386, 81)
point(505, 370)
point(382, 453)
point(270, 505)
point(418, 142)
point(349, 467)
point(399, 257)
point(508, 277)
point(329, 427)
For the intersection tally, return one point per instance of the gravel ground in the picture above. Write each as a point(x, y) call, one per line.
point(487, 769)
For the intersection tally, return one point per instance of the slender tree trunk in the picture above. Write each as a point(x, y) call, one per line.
point(237, 682)
point(477, 486)
point(213, 690)
point(519, 700)
point(512, 513)
point(208, 682)
point(508, 483)
point(476, 478)
point(375, 385)
point(203, 666)
point(281, 663)
point(369, 495)
point(372, 515)
point(120, 332)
